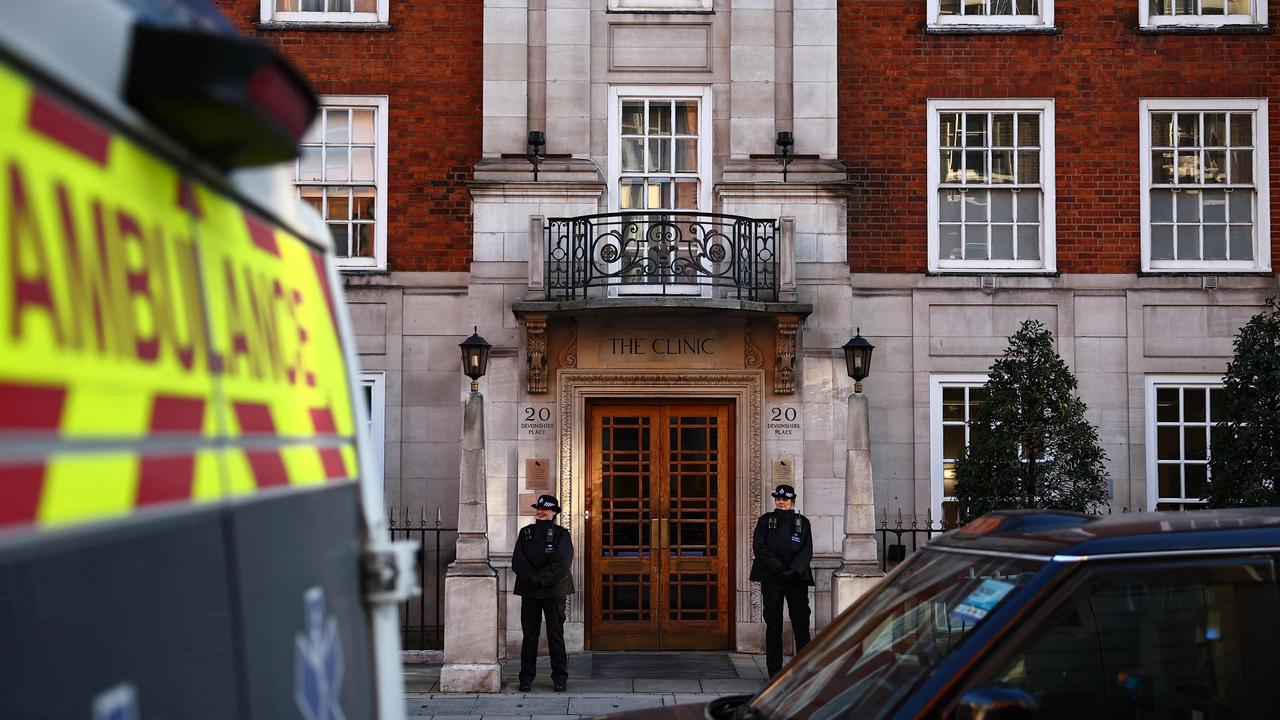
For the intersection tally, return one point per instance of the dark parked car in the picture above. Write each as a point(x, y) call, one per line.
point(1049, 615)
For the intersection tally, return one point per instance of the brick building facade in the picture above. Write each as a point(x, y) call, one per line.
point(957, 166)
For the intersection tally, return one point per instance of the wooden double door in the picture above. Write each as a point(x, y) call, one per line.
point(659, 530)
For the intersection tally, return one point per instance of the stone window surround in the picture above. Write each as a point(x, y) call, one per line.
point(380, 105)
point(1043, 20)
point(376, 382)
point(1151, 384)
point(938, 381)
point(746, 388)
point(269, 15)
point(1044, 106)
point(660, 5)
point(1148, 21)
point(1262, 202)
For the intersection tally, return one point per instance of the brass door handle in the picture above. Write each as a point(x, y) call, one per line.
point(666, 534)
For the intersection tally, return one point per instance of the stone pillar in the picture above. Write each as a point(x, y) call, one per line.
point(471, 584)
point(859, 571)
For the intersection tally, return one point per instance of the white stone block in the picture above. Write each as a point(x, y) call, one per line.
point(815, 99)
point(815, 62)
point(814, 26)
point(507, 25)
point(751, 64)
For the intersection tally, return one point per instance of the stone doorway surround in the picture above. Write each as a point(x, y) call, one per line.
point(745, 388)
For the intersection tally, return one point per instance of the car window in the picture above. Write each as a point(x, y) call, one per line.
point(869, 659)
point(1186, 640)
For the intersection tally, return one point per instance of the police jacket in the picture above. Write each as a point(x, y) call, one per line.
point(542, 560)
point(782, 541)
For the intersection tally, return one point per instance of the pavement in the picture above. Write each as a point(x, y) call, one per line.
point(599, 684)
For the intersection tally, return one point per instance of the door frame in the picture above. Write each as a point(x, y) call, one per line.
point(746, 388)
point(730, 547)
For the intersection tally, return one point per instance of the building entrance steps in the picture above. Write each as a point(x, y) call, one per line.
point(600, 683)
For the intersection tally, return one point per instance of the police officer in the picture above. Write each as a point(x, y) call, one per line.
point(783, 545)
point(541, 562)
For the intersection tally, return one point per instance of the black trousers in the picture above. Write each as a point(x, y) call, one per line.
point(532, 612)
point(797, 597)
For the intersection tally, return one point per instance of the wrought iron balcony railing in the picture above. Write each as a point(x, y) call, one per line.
point(663, 253)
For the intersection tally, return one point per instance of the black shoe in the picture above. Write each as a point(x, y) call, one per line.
point(526, 687)
point(560, 687)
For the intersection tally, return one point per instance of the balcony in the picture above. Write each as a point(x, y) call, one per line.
point(675, 253)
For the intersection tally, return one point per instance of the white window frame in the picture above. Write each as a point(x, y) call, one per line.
point(268, 14)
point(938, 381)
point(377, 382)
point(701, 93)
point(660, 5)
point(1048, 175)
point(380, 105)
point(1153, 382)
point(1261, 180)
point(1043, 20)
point(1149, 21)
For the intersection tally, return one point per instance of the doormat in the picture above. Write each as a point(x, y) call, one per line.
point(647, 665)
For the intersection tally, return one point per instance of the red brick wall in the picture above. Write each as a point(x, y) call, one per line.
point(1096, 71)
point(429, 67)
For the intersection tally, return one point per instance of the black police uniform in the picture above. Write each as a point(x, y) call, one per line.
point(783, 545)
point(541, 561)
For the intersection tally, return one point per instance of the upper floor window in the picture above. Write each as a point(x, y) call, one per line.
point(341, 171)
point(325, 11)
point(1181, 412)
point(1032, 13)
point(991, 194)
point(952, 402)
point(1205, 204)
point(1156, 13)
point(660, 151)
point(374, 386)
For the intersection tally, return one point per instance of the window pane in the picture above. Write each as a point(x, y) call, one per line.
point(1027, 7)
point(339, 5)
point(1215, 166)
point(952, 441)
point(975, 162)
point(363, 203)
point(949, 205)
point(337, 130)
point(1028, 242)
point(975, 7)
point(953, 403)
point(1029, 167)
point(1161, 242)
point(1240, 206)
point(1028, 130)
point(631, 195)
point(659, 118)
point(632, 117)
point(975, 134)
point(686, 156)
point(1211, 7)
point(632, 155)
point(367, 6)
point(1188, 129)
point(312, 196)
point(312, 6)
point(339, 203)
point(659, 194)
point(362, 128)
point(1242, 166)
point(1215, 206)
point(1189, 167)
point(364, 239)
point(1002, 130)
point(362, 164)
point(1215, 128)
point(1001, 7)
point(1194, 476)
point(309, 163)
point(1001, 206)
point(1195, 445)
point(949, 7)
point(1168, 443)
point(975, 242)
point(1188, 242)
point(1241, 239)
point(1242, 130)
point(1167, 405)
point(1161, 130)
point(1162, 167)
point(1029, 206)
point(949, 129)
point(1170, 479)
point(687, 194)
point(1193, 404)
point(1188, 202)
point(341, 239)
point(1215, 242)
point(314, 134)
point(335, 163)
point(659, 155)
point(950, 166)
point(1001, 166)
point(975, 206)
point(948, 480)
point(1238, 7)
point(1001, 242)
point(686, 117)
point(949, 242)
point(1161, 206)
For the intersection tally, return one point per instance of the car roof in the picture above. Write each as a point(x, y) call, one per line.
point(1065, 535)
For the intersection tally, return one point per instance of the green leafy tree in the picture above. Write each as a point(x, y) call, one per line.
point(1244, 457)
point(1030, 445)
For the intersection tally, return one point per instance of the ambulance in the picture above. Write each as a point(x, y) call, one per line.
point(191, 517)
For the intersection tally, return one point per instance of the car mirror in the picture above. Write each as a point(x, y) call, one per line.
point(726, 707)
point(996, 702)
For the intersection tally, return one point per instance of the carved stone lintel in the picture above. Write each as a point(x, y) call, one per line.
point(784, 363)
point(752, 358)
point(569, 355)
point(535, 335)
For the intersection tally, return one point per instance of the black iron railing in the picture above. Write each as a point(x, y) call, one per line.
point(901, 539)
point(663, 253)
point(422, 617)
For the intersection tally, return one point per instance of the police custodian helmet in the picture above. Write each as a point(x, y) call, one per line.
point(785, 492)
point(546, 502)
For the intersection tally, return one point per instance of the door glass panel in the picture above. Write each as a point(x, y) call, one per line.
point(625, 471)
point(625, 598)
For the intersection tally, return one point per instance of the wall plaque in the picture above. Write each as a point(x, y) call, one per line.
point(537, 421)
point(784, 471)
point(537, 475)
point(782, 422)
